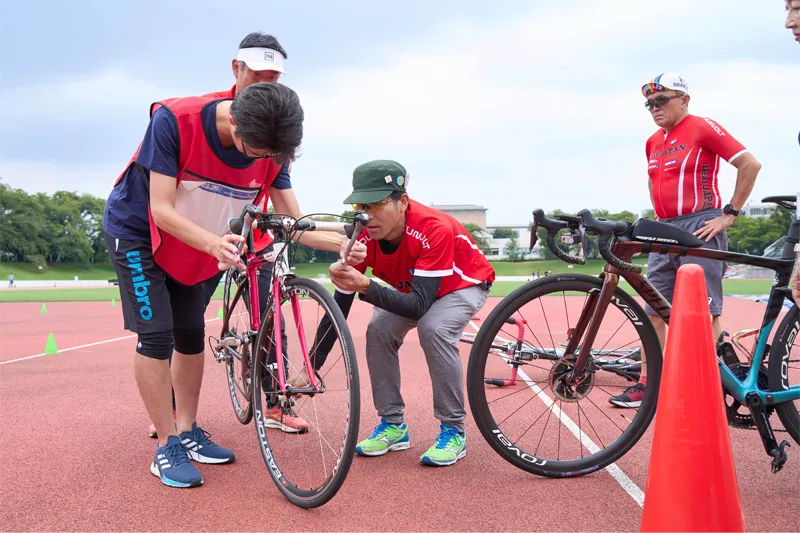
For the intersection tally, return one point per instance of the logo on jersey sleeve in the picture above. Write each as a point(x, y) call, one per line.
point(423, 239)
point(715, 127)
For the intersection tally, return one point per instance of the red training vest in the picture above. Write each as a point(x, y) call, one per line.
point(209, 192)
point(261, 239)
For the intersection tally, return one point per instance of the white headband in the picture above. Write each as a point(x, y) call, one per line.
point(262, 59)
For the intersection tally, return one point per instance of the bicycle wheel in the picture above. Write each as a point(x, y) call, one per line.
point(549, 310)
point(783, 369)
point(331, 415)
point(235, 341)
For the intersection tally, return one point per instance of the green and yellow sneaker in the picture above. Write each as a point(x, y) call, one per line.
point(450, 446)
point(385, 438)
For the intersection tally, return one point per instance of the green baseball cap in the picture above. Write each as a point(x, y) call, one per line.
point(375, 180)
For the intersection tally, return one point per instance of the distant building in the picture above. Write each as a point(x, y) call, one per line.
point(497, 247)
point(758, 210)
point(466, 214)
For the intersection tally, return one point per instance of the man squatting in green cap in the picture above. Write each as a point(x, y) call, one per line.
point(438, 279)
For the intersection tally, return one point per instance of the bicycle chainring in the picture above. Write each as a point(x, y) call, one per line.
point(738, 414)
point(565, 391)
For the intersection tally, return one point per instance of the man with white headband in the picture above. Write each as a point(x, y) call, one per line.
point(261, 59)
point(683, 165)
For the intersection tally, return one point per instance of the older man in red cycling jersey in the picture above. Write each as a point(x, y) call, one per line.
point(683, 164)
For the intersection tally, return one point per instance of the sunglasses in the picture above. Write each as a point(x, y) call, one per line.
point(375, 206)
point(660, 101)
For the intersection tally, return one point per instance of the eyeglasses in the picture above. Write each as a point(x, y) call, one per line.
point(257, 156)
point(660, 101)
point(375, 206)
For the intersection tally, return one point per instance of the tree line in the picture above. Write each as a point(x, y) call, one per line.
point(64, 227)
point(67, 227)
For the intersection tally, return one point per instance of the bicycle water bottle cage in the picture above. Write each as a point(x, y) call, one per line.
point(646, 230)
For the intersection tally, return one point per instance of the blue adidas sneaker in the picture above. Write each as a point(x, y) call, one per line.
point(173, 467)
point(202, 450)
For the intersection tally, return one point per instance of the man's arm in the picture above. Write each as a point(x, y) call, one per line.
point(413, 305)
point(748, 168)
point(719, 141)
point(166, 217)
point(159, 154)
point(285, 203)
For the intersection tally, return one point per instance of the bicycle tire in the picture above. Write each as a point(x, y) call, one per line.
point(781, 349)
point(476, 389)
point(244, 413)
point(309, 499)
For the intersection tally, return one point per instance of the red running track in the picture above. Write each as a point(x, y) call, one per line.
point(76, 454)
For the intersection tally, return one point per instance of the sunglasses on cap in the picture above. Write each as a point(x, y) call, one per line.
point(660, 101)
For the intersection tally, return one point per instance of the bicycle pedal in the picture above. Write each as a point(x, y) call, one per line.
point(726, 352)
point(779, 456)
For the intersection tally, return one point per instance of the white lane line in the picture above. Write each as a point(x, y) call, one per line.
point(616, 472)
point(78, 347)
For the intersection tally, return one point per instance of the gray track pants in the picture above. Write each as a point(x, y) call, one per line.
point(439, 333)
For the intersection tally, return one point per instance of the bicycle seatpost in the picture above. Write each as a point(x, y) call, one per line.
point(361, 219)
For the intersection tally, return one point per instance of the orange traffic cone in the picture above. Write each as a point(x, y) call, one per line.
point(691, 483)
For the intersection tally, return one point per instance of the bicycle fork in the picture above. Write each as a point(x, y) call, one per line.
point(285, 388)
point(589, 322)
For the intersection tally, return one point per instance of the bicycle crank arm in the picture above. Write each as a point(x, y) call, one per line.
point(773, 449)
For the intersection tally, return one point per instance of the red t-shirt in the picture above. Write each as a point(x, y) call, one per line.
point(435, 245)
point(683, 165)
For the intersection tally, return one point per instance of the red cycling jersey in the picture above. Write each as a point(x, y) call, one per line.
point(435, 245)
point(684, 165)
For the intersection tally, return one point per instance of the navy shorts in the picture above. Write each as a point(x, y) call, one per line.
point(153, 302)
point(662, 269)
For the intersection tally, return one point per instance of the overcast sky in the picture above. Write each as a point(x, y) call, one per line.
point(516, 106)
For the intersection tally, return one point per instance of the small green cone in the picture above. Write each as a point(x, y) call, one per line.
point(219, 313)
point(50, 348)
point(113, 302)
point(44, 308)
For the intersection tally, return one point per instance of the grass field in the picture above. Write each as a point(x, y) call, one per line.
point(57, 271)
point(501, 288)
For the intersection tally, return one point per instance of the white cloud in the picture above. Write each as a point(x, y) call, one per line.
point(110, 94)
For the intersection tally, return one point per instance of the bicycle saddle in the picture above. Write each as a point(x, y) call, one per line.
point(646, 230)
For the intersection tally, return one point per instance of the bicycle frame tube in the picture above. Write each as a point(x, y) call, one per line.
point(625, 250)
point(298, 320)
point(276, 302)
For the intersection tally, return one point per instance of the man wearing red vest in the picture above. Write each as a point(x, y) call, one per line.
point(201, 160)
point(438, 279)
point(261, 59)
